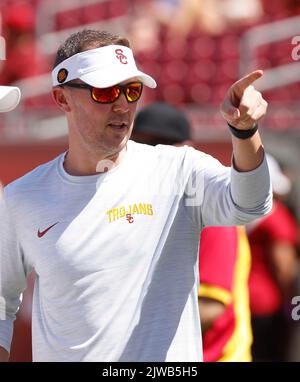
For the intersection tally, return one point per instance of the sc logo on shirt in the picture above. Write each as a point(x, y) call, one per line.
point(296, 309)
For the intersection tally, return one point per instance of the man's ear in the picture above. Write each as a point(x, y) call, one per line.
point(60, 99)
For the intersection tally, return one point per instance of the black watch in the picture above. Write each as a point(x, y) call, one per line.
point(243, 134)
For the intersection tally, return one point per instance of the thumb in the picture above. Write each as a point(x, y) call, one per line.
point(229, 112)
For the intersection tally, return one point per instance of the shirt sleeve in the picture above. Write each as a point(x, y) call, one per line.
point(223, 196)
point(13, 273)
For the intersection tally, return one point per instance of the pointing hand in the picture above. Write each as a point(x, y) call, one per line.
point(243, 105)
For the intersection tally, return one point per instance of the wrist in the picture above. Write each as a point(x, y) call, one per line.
point(243, 134)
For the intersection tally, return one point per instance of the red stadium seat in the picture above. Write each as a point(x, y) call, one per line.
point(228, 46)
point(200, 93)
point(176, 70)
point(202, 71)
point(95, 12)
point(118, 8)
point(174, 94)
point(174, 48)
point(69, 19)
point(202, 47)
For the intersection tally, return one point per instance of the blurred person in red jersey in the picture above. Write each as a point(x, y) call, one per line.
point(224, 254)
point(224, 266)
point(23, 58)
point(273, 272)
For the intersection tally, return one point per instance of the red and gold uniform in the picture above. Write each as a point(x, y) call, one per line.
point(225, 265)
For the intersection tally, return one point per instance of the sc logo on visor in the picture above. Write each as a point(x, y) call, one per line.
point(121, 56)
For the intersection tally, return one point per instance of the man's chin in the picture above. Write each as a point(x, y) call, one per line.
point(117, 149)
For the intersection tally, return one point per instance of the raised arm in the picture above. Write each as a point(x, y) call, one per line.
point(242, 108)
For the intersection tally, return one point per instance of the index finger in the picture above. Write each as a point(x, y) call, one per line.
point(240, 85)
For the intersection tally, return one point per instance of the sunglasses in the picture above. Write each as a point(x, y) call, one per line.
point(132, 92)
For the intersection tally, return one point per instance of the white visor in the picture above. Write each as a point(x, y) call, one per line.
point(9, 98)
point(102, 67)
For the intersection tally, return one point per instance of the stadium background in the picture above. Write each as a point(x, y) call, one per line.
point(194, 56)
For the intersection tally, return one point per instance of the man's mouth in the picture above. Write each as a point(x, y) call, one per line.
point(118, 125)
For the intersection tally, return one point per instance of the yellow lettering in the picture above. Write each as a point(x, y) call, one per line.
point(115, 213)
point(142, 209)
point(122, 212)
point(149, 209)
point(109, 215)
point(135, 209)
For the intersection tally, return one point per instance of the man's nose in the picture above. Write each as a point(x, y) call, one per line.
point(121, 105)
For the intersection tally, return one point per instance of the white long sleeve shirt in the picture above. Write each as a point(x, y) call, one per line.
point(116, 253)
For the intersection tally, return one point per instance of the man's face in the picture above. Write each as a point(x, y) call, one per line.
point(102, 128)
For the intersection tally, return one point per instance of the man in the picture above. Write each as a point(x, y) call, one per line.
point(105, 224)
point(224, 254)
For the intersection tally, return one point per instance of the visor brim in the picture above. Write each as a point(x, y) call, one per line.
point(99, 80)
point(9, 98)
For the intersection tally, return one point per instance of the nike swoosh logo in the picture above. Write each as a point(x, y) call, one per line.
point(42, 233)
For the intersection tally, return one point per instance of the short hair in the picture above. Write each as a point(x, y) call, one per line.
point(85, 40)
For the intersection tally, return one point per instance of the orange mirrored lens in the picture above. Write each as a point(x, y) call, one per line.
point(107, 95)
point(132, 91)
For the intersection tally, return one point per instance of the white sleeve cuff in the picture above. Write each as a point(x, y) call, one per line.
point(252, 189)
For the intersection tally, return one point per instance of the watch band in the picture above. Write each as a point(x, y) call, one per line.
point(243, 134)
